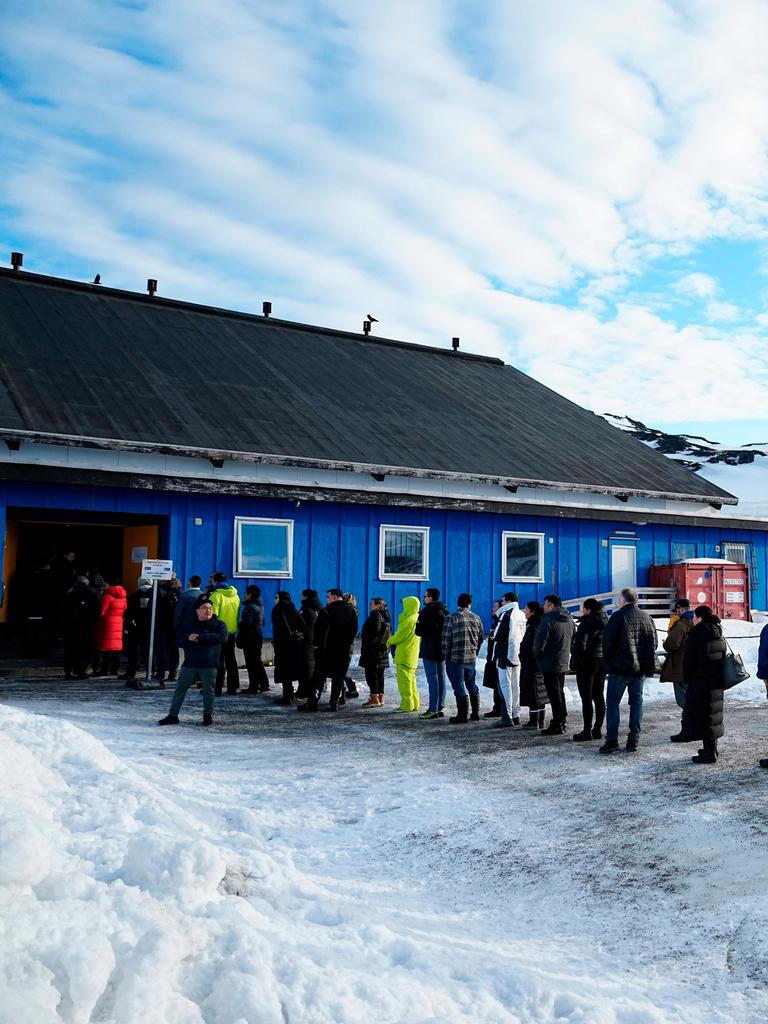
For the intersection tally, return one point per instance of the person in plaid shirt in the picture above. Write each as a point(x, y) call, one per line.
point(463, 636)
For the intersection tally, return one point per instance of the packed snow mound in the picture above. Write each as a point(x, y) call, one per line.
point(133, 894)
point(742, 471)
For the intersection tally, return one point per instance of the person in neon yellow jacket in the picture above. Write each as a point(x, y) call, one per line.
point(406, 645)
point(226, 606)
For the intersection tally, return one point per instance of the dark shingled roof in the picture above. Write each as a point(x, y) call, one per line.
point(95, 362)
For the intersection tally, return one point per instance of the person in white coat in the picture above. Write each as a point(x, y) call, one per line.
point(506, 654)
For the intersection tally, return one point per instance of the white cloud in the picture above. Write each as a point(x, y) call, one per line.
point(450, 167)
point(700, 285)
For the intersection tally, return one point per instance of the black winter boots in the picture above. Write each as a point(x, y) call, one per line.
point(462, 712)
point(474, 699)
point(536, 721)
point(708, 753)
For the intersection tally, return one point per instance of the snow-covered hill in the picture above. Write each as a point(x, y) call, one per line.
point(743, 471)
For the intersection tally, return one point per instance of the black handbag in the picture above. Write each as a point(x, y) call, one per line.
point(733, 668)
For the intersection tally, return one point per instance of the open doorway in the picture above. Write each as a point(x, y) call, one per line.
point(46, 548)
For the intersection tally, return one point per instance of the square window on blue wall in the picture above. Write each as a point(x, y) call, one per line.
point(263, 547)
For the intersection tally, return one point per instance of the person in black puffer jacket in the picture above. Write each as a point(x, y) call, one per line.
point(533, 692)
point(374, 655)
point(703, 661)
point(587, 663)
point(250, 638)
point(287, 638)
point(629, 653)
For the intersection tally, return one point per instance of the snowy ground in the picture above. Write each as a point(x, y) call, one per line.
point(369, 867)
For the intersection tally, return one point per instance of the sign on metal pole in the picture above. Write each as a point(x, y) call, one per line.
point(155, 569)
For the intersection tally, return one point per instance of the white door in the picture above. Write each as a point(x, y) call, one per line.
point(623, 566)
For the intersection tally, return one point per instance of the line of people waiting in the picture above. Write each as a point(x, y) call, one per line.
point(530, 651)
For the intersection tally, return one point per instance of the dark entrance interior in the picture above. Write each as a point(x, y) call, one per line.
point(108, 546)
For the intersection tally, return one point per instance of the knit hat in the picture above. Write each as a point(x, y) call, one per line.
point(683, 602)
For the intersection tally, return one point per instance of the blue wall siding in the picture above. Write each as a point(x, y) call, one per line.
point(338, 545)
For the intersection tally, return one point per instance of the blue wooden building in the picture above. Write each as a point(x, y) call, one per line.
point(289, 455)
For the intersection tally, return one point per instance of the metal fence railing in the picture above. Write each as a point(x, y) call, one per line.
point(656, 601)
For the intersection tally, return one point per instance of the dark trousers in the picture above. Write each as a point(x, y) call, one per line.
point(228, 667)
point(136, 649)
point(106, 663)
point(257, 674)
point(374, 678)
point(555, 684)
point(77, 655)
point(592, 692)
point(166, 653)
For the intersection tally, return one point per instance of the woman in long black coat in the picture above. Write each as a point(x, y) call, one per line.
point(374, 654)
point(533, 693)
point(287, 637)
point(587, 663)
point(703, 673)
point(310, 609)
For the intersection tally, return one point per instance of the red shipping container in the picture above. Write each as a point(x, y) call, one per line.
point(722, 585)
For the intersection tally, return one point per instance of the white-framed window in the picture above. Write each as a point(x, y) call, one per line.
point(403, 552)
point(522, 557)
point(263, 547)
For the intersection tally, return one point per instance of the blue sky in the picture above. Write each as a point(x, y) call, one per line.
point(579, 188)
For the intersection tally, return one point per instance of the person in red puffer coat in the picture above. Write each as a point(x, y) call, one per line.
point(109, 631)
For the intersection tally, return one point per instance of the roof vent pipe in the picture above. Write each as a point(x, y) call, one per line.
point(151, 285)
point(455, 344)
point(17, 260)
point(266, 308)
point(366, 327)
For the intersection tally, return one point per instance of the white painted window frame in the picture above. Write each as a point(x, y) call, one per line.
point(401, 528)
point(524, 535)
point(240, 573)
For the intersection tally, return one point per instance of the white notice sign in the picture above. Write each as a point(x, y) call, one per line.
point(157, 568)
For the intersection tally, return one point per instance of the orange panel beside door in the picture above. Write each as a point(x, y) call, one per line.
point(139, 542)
point(9, 562)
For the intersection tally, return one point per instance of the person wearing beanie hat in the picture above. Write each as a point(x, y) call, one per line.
point(138, 614)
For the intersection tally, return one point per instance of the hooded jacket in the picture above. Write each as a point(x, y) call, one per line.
point(508, 635)
point(226, 605)
point(762, 654)
point(404, 639)
point(109, 628)
point(552, 646)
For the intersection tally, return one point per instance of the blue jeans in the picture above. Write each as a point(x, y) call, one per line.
point(613, 697)
point(435, 673)
point(462, 678)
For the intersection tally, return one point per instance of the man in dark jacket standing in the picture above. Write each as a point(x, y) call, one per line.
point(342, 630)
point(552, 650)
point(202, 650)
point(629, 654)
point(429, 627)
point(250, 639)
